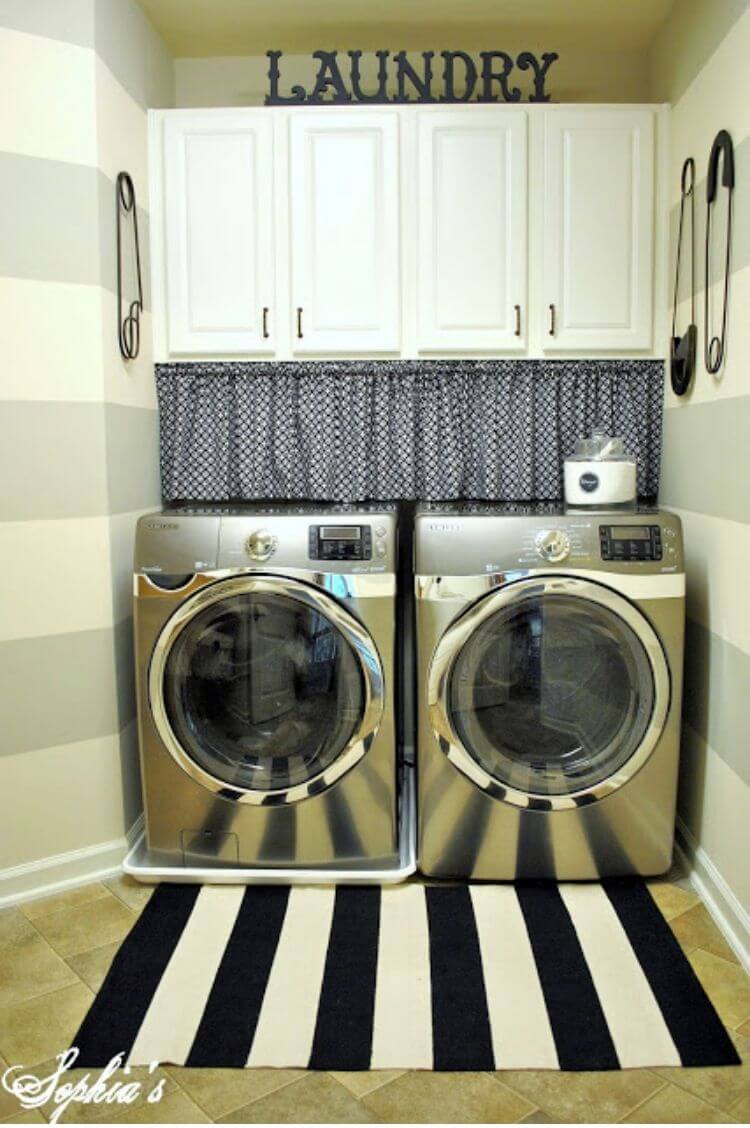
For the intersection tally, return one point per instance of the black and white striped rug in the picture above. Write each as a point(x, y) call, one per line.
point(456, 977)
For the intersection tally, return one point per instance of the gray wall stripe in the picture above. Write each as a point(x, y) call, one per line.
point(52, 461)
point(48, 225)
point(58, 689)
point(705, 447)
point(57, 223)
point(687, 40)
point(135, 53)
point(717, 676)
point(132, 436)
point(72, 21)
point(740, 255)
point(96, 459)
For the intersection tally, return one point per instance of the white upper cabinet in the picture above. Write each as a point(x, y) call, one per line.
point(472, 229)
point(464, 230)
point(219, 232)
point(598, 228)
point(344, 196)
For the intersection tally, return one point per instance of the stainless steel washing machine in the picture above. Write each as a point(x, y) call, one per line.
point(550, 651)
point(265, 653)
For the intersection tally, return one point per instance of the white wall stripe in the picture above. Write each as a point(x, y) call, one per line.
point(519, 1022)
point(172, 1019)
point(402, 1024)
point(51, 112)
point(638, 1029)
point(286, 1024)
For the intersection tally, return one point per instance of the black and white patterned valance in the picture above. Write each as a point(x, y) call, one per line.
point(374, 430)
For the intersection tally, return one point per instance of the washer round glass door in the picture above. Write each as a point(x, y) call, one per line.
point(265, 689)
point(550, 692)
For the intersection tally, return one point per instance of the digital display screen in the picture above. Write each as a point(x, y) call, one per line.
point(630, 532)
point(341, 532)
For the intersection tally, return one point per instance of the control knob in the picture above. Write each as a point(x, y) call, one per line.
point(260, 544)
point(552, 545)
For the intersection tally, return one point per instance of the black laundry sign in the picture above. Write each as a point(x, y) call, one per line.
point(486, 78)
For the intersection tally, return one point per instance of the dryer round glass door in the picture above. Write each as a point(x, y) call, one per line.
point(552, 693)
point(265, 689)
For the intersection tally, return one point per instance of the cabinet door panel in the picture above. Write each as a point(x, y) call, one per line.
point(218, 185)
point(598, 228)
point(472, 229)
point(344, 189)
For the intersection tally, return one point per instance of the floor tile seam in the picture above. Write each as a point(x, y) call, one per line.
point(662, 1086)
point(51, 991)
point(242, 1104)
point(64, 909)
point(735, 1104)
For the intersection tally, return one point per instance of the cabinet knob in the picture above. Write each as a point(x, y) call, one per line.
point(266, 334)
point(517, 309)
point(299, 323)
point(552, 320)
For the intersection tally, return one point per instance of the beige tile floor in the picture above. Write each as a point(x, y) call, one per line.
point(55, 953)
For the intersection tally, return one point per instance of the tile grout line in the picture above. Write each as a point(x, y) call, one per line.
point(84, 951)
point(72, 970)
point(243, 1104)
point(662, 1085)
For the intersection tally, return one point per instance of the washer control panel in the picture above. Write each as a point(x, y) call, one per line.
point(630, 542)
point(343, 542)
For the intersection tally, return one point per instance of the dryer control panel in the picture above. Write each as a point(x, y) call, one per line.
point(630, 542)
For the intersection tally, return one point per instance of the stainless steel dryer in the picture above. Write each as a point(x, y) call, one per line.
point(550, 650)
point(265, 653)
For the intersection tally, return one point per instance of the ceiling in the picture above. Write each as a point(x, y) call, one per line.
point(200, 28)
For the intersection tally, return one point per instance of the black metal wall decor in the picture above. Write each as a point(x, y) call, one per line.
point(128, 326)
point(339, 78)
point(683, 349)
point(722, 148)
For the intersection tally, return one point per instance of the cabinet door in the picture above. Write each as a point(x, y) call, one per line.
point(472, 229)
point(219, 221)
point(344, 191)
point(598, 229)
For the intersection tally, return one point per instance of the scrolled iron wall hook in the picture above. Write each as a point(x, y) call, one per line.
point(723, 149)
point(129, 326)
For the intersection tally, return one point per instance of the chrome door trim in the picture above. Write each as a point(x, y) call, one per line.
point(654, 585)
point(343, 585)
point(355, 634)
point(461, 629)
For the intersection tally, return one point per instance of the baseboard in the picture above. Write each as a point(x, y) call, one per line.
point(729, 915)
point(64, 871)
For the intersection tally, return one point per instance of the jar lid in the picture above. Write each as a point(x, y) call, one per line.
point(601, 447)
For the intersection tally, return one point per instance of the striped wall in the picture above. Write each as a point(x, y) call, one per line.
point(78, 459)
point(699, 63)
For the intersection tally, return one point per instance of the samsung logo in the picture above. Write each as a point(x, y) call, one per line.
point(443, 527)
point(161, 525)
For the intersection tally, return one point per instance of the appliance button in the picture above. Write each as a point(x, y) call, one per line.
point(380, 549)
point(380, 530)
point(261, 544)
point(552, 544)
